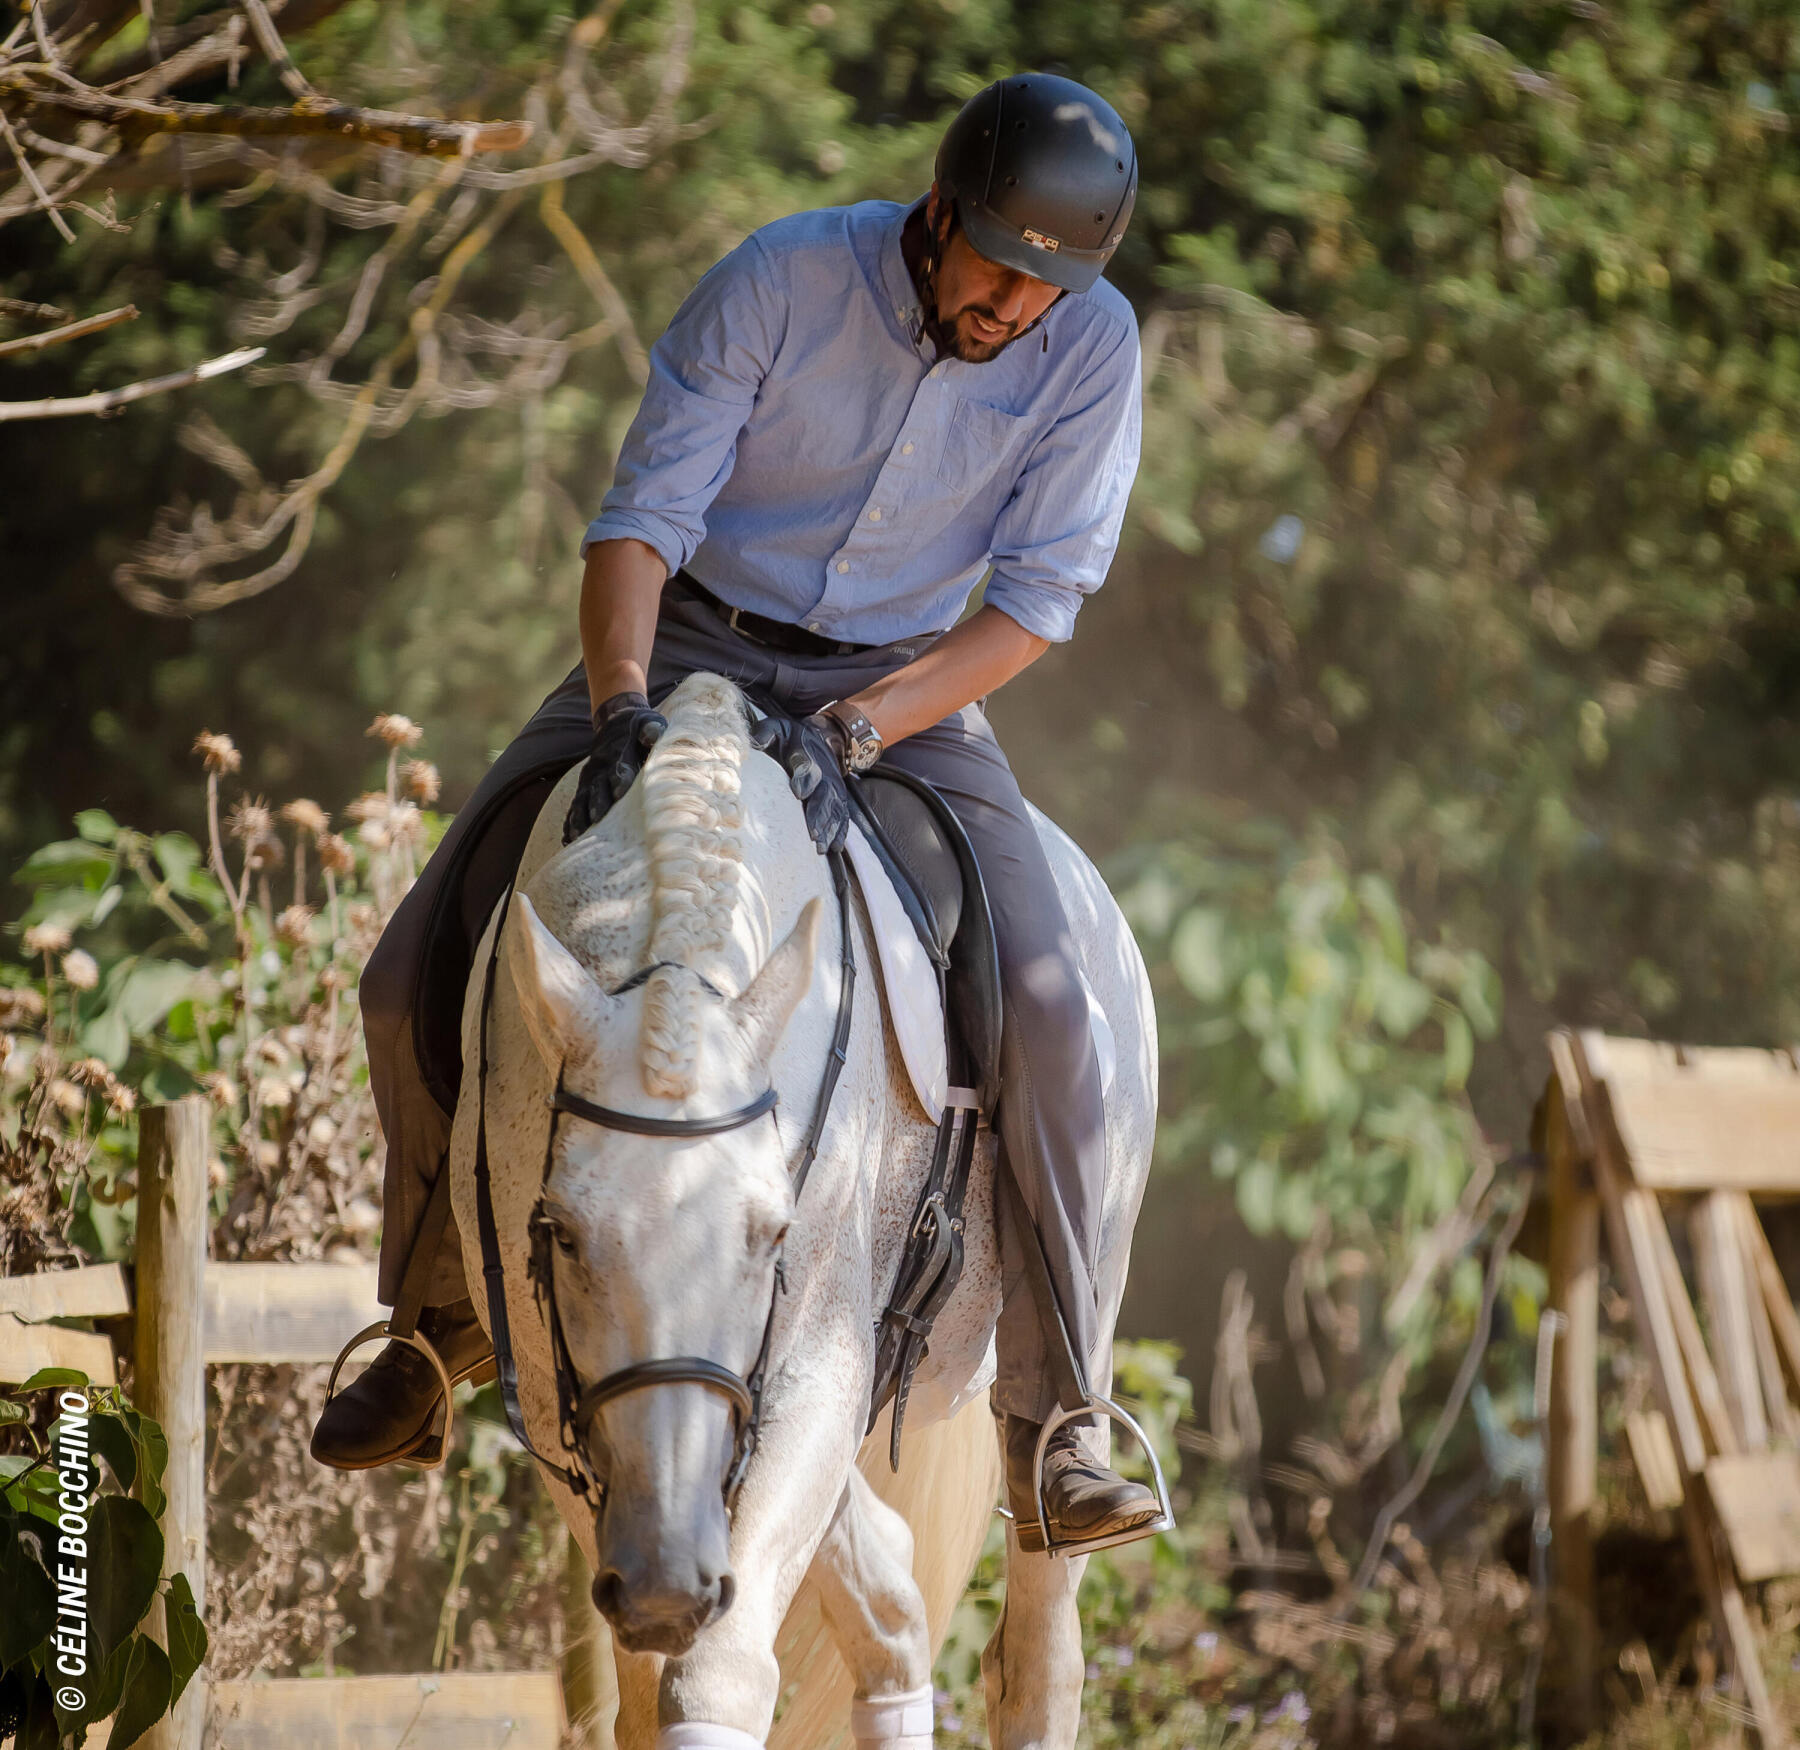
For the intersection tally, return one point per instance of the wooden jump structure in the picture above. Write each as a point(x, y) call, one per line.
point(1633, 1131)
point(189, 1312)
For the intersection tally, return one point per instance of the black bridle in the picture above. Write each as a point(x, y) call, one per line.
point(577, 1405)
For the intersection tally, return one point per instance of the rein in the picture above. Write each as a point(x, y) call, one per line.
point(576, 1404)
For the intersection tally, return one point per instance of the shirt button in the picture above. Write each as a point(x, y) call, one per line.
point(875, 514)
point(906, 449)
point(814, 626)
point(843, 566)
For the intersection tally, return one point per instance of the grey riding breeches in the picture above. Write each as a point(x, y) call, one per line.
point(1051, 1122)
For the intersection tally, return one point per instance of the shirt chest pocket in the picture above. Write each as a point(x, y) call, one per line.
point(979, 443)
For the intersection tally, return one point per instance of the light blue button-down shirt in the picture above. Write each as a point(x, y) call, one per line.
point(799, 451)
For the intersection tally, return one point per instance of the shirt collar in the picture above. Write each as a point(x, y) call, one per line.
point(897, 283)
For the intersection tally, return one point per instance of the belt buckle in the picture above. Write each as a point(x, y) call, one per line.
point(731, 620)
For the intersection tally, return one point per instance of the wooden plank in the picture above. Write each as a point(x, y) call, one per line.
point(1703, 1380)
point(1784, 1322)
point(1757, 1498)
point(1720, 1263)
point(1574, 1418)
point(25, 1348)
point(1653, 1452)
point(1784, 1422)
point(1634, 1245)
point(452, 1710)
point(1703, 1120)
point(286, 1312)
point(174, 1143)
point(94, 1291)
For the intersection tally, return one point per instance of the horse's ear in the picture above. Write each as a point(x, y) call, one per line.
point(765, 1009)
point(563, 1006)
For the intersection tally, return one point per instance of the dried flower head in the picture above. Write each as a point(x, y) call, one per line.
point(47, 939)
point(220, 1089)
point(68, 1098)
point(420, 777)
point(294, 926)
point(20, 1007)
point(406, 825)
point(219, 751)
point(335, 854)
point(307, 815)
point(124, 1099)
point(370, 805)
point(395, 730)
point(81, 969)
point(250, 820)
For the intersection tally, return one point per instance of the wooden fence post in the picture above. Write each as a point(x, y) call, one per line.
point(589, 1683)
point(174, 1143)
point(1574, 1428)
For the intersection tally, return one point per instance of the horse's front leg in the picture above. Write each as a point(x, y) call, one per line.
point(1032, 1665)
point(721, 1693)
point(863, 1570)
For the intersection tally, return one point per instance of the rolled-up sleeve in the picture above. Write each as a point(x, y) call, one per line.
point(705, 372)
point(1056, 537)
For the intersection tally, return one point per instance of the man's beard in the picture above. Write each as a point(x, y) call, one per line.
point(953, 340)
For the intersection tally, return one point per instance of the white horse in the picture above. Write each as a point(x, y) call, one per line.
point(668, 1246)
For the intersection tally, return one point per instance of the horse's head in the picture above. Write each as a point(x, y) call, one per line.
point(661, 1247)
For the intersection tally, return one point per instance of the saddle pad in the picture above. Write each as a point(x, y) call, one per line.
point(914, 1006)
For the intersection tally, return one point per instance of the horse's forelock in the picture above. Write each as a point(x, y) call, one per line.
point(692, 814)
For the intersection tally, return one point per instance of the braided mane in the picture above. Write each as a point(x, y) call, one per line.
point(692, 816)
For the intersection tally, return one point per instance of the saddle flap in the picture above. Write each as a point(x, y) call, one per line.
point(905, 830)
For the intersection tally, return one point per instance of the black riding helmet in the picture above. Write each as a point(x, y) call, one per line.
point(1043, 175)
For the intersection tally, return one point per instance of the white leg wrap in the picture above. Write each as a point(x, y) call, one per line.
point(698, 1735)
point(894, 1722)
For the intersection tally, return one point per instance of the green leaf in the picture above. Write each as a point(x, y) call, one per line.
point(153, 1456)
point(1257, 1186)
point(68, 861)
point(179, 858)
point(1459, 1049)
point(108, 1037)
point(106, 904)
point(11, 1412)
point(146, 1697)
point(125, 1559)
point(187, 1634)
point(30, 1596)
point(112, 1440)
point(46, 1377)
point(1197, 952)
point(96, 826)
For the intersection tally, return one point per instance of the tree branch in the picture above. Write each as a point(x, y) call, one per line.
point(370, 127)
point(109, 400)
point(74, 331)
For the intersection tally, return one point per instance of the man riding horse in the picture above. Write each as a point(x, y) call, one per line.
point(855, 414)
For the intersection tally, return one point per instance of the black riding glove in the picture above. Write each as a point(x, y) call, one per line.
point(625, 730)
point(811, 750)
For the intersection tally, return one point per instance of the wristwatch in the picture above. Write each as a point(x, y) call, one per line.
point(864, 738)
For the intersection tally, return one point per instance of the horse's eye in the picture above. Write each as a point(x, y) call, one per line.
point(565, 1241)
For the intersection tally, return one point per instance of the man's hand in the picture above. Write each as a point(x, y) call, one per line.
point(811, 751)
point(625, 730)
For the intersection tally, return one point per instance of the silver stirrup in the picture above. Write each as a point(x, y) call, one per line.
point(433, 1447)
point(1165, 1517)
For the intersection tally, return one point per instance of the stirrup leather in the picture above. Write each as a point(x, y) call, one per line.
point(434, 1444)
point(1071, 1546)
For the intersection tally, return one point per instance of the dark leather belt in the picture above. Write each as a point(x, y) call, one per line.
point(761, 629)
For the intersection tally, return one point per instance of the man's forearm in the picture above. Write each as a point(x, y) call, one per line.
point(620, 591)
point(967, 663)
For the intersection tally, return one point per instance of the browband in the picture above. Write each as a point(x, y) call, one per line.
point(643, 1124)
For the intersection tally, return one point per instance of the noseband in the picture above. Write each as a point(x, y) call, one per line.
point(577, 1405)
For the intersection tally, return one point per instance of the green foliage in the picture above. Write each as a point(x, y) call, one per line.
point(111, 1667)
point(1314, 1053)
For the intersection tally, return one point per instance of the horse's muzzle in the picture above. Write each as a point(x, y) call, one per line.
point(651, 1618)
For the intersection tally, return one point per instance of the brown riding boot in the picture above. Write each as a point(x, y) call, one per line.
point(390, 1412)
point(1084, 1501)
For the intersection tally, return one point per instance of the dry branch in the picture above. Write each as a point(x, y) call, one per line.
point(365, 127)
point(73, 331)
point(110, 400)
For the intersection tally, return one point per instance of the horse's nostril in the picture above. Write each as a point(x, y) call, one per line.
point(609, 1595)
point(727, 1585)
